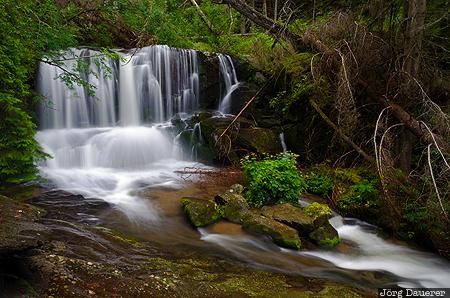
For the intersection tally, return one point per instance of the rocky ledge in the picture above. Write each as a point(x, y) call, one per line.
point(287, 225)
point(19, 230)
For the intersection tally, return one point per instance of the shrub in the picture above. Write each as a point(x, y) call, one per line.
point(319, 183)
point(362, 195)
point(272, 179)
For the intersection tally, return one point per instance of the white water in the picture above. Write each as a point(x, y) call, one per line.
point(283, 143)
point(110, 145)
point(415, 268)
point(230, 79)
point(406, 267)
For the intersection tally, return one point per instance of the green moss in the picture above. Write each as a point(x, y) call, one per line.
point(330, 242)
point(200, 212)
point(316, 209)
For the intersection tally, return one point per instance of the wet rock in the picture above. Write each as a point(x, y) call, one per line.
point(234, 206)
point(325, 236)
point(64, 205)
point(281, 234)
point(200, 212)
point(293, 217)
point(18, 228)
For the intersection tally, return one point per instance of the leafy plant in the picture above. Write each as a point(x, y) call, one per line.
point(319, 183)
point(362, 195)
point(272, 179)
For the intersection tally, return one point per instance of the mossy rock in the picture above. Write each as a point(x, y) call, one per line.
point(281, 234)
point(321, 213)
point(261, 140)
point(200, 212)
point(291, 216)
point(234, 207)
point(326, 236)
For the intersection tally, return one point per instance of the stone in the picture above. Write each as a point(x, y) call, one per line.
point(291, 216)
point(325, 236)
point(281, 234)
point(234, 207)
point(320, 212)
point(200, 212)
point(19, 229)
point(236, 188)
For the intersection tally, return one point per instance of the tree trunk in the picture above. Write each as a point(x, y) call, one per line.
point(415, 21)
point(413, 34)
point(264, 8)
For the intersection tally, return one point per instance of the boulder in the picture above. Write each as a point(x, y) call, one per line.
point(200, 212)
point(281, 234)
point(325, 236)
point(293, 217)
point(321, 213)
point(234, 206)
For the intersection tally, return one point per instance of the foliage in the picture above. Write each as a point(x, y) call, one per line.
point(362, 195)
point(316, 209)
point(416, 215)
point(272, 179)
point(29, 29)
point(319, 183)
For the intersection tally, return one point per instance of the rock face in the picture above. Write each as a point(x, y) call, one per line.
point(18, 227)
point(281, 234)
point(261, 140)
point(200, 212)
point(292, 216)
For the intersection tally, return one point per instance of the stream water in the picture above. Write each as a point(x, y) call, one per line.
point(118, 146)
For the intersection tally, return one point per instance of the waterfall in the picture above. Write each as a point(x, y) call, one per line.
point(107, 144)
point(151, 86)
point(228, 74)
point(283, 143)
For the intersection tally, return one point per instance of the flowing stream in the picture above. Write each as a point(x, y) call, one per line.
point(118, 143)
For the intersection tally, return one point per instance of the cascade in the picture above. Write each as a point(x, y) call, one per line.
point(151, 86)
point(231, 82)
point(106, 144)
